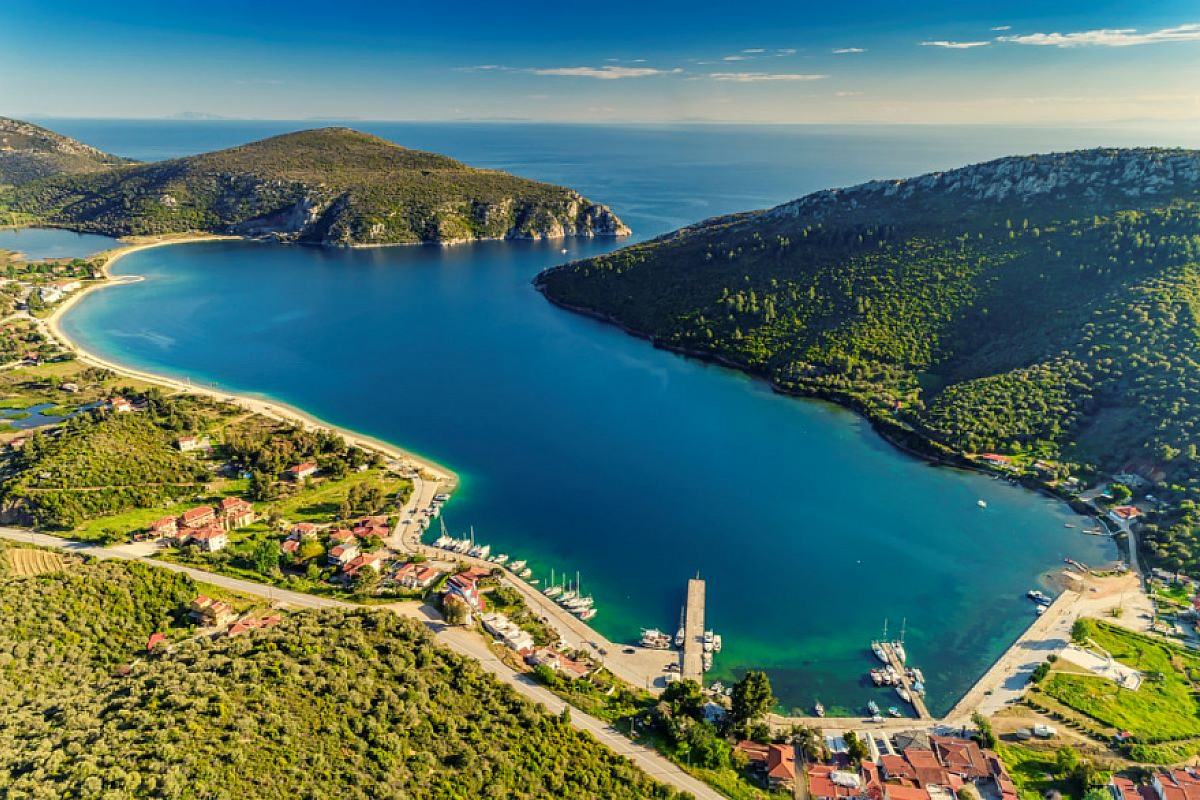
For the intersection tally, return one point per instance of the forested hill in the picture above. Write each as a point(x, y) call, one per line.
point(346, 704)
point(29, 152)
point(329, 186)
point(1040, 305)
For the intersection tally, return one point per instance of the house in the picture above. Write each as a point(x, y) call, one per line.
point(247, 624)
point(995, 459)
point(70, 388)
point(376, 531)
point(211, 613)
point(549, 657)
point(187, 444)
point(377, 521)
point(236, 513)
point(506, 631)
point(56, 290)
point(1004, 782)
point(303, 530)
point(896, 791)
point(1123, 789)
point(775, 764)
point(343, 554)
point(475, 574)
point(826, 782)
point(416, 576)
point(290, 546)
point(166, 526)
point(465, 589)
point(301, 471)
point(210, 538)
point(1121, 514)
point(342, 536)
point(1176, 784)
point(119, 405)
point(962, 757)
point(198, 517)
point(365, 561)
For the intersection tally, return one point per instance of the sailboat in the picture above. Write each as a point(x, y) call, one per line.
point(680, 633)
point(553, 590)
point(877, 646)
point(898, 645)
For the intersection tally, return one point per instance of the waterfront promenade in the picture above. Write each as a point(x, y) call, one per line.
point(692, 659)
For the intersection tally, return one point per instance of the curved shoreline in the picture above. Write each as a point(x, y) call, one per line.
point(266, 406)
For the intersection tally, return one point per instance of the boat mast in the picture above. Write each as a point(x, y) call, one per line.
point(903, 623)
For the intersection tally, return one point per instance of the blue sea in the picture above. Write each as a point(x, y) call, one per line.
point(583, 449)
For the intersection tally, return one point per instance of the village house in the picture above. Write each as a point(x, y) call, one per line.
point(416, 576)
point(342, 536)
point(162, 528)
point(301, 471)
point(372, 561)
point(827, 782)
point(1122, 514)
point(342, 554)
point(775, 764)
point(187, 444)
point(290, 546)
point(210, 538)
point(507, 632)
point(198, 517)
point(247, 624)
point(465, 589)
point(549, 657)
point(1176, 784)
point(119, 405)
point(377, 531)
point(236, 513)
point(211, 613)
point(303, 530)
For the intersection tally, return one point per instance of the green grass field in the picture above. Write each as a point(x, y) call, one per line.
point(323, 502)
point(1033, 771)
point(1158, 710)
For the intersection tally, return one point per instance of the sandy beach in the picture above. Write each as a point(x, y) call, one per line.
point(267, 407)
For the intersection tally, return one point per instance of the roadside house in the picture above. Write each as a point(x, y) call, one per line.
point(210, 538)
point(774, 764)
point(343, 554)
point(211, 613)
point(549, 657)
point(187, 444)
point(236, 513)
point(301, 471)
point(373, 561)
point(247, 624)
point(416, 576)
point(198, 517)
point(164, 527)
point(1123, 514)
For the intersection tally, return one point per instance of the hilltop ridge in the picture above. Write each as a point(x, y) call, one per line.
point(30, 152)
point(328, 186)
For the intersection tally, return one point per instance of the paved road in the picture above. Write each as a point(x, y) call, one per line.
point(461, 641)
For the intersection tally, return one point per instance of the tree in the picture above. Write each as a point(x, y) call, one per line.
point(366, 580)
point(985, 736)
point(455, 610)
point(685, 698)
point(856, 750)
point(265, 557)
point(1120, 493)
point(752, 698)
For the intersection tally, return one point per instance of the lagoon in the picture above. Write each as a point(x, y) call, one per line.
point(581, 448)
point(39, 243)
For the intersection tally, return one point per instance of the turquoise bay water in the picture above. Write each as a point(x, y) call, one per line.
point(37, 243)
point(585, 449)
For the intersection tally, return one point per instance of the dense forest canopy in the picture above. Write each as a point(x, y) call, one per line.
point(352, 704)
point(1044, 305)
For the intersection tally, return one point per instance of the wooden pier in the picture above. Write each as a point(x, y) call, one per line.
point(918, 702)
point(692, 661)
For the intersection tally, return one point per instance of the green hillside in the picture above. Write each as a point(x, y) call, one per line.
point(1043, 306)
point(350, 704)
point(30, 152)
point(330, 186)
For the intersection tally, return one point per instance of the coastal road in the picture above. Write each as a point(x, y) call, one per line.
point(459, 640)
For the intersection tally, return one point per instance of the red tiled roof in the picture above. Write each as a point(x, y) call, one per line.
point(234, 504)
point(896, 792)
point(165, 522)
point(199, 512)
point(896, 766)
point(1126, 788)
point(1127, 512)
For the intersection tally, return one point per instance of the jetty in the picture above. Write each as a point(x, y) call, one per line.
point(917, 701)
point(692, 659)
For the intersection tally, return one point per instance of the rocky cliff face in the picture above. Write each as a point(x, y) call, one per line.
point(330, 186)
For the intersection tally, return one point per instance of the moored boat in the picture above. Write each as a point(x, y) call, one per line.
point(820, 709)
point(655, 639)
point(587, 614)
point(873, 707)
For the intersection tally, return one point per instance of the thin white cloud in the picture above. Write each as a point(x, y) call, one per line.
point(1002, 28)
point(762, 77)
point(847, 94)
point(605, 73)
point(736, 58)
point(1109, 37)
point(954, 45)
point(755, 50)
point(845, 50)
point(786, 51)
point(486, 68)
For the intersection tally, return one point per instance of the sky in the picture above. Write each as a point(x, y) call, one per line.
point(748, 61)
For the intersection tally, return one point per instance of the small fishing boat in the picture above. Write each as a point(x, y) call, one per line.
point(552, 591)
point(893, 712)
point(918, 687)
point(981, 503)
point(680, 634)
point(587, 614)
point(904, 695)
point(820, 709)
point(517, 566)
point(525, 573)
point(877, 649)
point(501, 559)
point(873, 707)
point(717, 643)
point(877, 677)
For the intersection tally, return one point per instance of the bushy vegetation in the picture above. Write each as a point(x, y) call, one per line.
point(329, 185)
point(1164, 708)
point(1059, 325)
point(97, 464)
point(350, 704)
point(29, 152)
